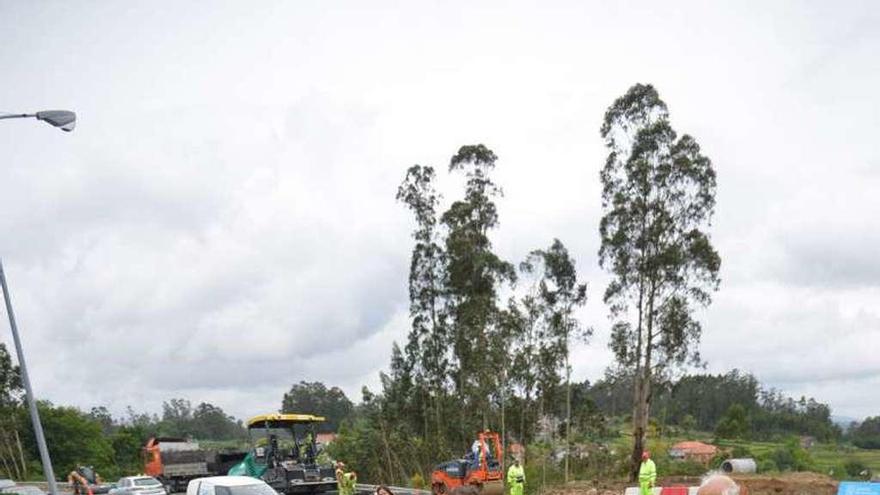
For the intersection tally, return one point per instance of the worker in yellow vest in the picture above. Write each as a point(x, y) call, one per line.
point(647, 474)
point(516, 478)
point(345, 482)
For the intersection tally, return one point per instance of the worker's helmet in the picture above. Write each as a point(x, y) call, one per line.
point(646, 455)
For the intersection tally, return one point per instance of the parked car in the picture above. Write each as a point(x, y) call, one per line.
point(21, 490)
point(138, 485)
point(229, 485)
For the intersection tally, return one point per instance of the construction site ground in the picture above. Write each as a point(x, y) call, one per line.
point(757, 484)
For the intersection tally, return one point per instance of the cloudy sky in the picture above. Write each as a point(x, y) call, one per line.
point(222, 222)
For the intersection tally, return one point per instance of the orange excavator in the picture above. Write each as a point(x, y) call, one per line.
point(480, 468)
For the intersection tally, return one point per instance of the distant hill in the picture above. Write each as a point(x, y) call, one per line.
point(843, 421)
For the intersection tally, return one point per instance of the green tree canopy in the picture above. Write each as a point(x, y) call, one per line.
point(73, 438)
point(315, 398)
point(658, 196)
point(10, 380)
point(867, 434)
point(734, 423)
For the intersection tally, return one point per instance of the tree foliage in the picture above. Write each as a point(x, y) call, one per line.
point(96, 438)
point(474, 275)
point(10, 380)
point(658, 197)
point(315, 398)
point(734, 423)
point(471, 360)
point(205, 421)
point(73, 439)
point(700, 401)
point(424, 368)
point(11, 391)
point(866, 434)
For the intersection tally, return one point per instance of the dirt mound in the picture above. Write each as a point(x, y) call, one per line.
point(756, 484)
point(788, 484)
point(594, 487)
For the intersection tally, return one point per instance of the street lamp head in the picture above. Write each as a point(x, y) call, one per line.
point(63, 119)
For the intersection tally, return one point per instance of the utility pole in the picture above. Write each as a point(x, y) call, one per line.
point(32, 404)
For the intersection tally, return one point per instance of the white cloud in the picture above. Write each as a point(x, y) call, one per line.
point(222, 222)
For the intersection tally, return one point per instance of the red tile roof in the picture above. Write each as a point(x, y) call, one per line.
point(697, 448)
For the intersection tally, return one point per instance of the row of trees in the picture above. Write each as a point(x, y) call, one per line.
point(111, 444)
point(315, 398)
point(733, 404)
point(486, 336)
point(865, 434)
point(490, 340)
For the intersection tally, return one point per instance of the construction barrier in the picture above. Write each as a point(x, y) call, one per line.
point(858, 488)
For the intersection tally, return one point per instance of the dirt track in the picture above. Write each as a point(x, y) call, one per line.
point(756, 484)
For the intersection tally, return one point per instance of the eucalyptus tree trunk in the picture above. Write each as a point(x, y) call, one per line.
point(567, 415)
point(503, 432)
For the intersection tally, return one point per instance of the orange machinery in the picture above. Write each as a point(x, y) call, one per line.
point(174, 461)
point(85, 481)
point(482, 471)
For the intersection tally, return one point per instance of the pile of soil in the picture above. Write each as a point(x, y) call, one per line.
point(595, 487)
point(788, 484)
point(756, 484)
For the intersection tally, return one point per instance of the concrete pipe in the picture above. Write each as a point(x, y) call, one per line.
point(739, 466)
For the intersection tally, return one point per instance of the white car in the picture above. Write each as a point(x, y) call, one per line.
point(21, 490)
point(229, 485)
point(138, 485)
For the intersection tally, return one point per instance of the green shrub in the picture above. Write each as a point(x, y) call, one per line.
point(767, 466)
point(684, 468)
point(717, 459)
point(417, 482)
point(740, 452)
point(838, 471)
point(792, 457)
point(854, 468)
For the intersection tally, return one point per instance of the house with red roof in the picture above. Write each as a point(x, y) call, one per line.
point(693, 451)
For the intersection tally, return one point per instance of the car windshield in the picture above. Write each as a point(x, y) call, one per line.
point(255, 489)
point(146, 482)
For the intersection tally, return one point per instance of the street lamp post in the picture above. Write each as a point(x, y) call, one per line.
point(32, 404)
point(66, 121)
point(62, 119)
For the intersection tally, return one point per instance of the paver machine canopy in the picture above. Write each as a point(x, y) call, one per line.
point(285, 454)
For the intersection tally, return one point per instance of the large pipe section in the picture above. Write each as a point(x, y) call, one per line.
point(739, 466)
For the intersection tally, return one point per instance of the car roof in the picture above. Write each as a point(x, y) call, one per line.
point(230, 480)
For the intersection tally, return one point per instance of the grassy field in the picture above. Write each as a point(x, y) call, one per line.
point(826, 456)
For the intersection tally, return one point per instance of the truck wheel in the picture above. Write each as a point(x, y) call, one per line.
point(439, 488)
